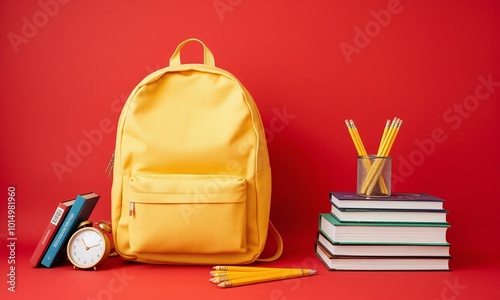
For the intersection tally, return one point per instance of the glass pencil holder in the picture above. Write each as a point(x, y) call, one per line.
point(374, 176)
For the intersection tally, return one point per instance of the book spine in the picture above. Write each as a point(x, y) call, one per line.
point(63, 234)
point(57, 243)
point(49, 233)
point(80, 211)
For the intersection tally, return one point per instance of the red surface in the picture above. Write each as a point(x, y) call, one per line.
point(67, 67)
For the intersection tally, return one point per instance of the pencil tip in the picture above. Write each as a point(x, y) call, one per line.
point(312, 272)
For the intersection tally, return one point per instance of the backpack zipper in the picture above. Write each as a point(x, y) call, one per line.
point(109, 169)
point(131, 209)
point(111, 162)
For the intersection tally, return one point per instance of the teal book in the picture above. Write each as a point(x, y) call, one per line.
point(382, 232)
point(79, 212)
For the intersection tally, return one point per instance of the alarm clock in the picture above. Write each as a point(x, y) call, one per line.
point(89, 247)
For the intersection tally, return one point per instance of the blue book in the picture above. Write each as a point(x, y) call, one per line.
point(79, 212)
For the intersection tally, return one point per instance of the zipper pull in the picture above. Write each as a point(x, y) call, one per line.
point(109, 168)
point(131, 209)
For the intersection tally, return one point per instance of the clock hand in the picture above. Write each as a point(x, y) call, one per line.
point(93, 246)
point(86, 247)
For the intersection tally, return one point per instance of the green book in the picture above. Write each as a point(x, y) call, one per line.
point(382, 232)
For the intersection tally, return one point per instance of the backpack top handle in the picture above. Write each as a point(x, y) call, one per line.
point(208, 58)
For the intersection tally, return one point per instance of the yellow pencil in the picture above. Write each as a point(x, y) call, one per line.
point(375, 172)
point(395, 134)
point(390, 135)
point(384, 135)
point(353, 131)
point(384, 150)
point(362, 150)
point(354, 139)
point(264, 278)
point(245, 268)
point(225, 273)
point(239, 275)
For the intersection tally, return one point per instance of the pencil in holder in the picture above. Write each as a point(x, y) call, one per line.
point(374, 176)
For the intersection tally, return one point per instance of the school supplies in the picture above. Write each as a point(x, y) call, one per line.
point(373, 166)
point(231, 276)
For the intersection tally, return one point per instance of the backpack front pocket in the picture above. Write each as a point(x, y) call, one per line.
point(187, 213)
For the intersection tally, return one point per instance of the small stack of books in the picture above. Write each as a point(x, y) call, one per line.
point(68, 215)
point(402, 232)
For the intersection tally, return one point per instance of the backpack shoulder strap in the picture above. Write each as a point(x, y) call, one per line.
point(279, 243)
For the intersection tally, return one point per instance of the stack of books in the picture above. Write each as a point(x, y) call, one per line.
point(402, 232)
point(68, 215)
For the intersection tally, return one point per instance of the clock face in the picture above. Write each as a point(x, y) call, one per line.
point(87, 248)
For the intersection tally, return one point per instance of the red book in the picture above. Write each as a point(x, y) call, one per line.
point(49, 233)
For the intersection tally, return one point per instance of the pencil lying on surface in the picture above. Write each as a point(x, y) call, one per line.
point(225, 273)
point(252, 273)
point(217, 278)
point(241, 271)
point(248, 269)
point(254, 278)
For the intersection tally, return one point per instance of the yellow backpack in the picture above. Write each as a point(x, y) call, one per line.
point(191, 177)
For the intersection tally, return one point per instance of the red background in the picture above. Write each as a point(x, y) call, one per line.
point(67, 67)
